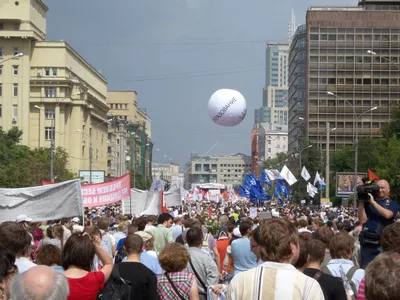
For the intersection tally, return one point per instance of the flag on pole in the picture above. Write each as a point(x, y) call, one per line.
point(311, 190)
point(305, 174)
point(273, 174)
point(264, 178)
point(288, 176)
point(372, 175)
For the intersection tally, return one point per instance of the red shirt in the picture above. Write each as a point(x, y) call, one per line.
point(222, 245)
point(86, 287)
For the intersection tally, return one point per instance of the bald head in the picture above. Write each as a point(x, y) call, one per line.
point(384, 191)
point(40, 283)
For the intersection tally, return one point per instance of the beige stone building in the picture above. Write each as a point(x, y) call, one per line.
point(124, 109)
point(165, 171)
point(47, 88)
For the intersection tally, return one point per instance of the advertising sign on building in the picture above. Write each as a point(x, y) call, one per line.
point(345, 183)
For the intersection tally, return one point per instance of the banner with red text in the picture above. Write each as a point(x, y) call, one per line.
point(106, 192)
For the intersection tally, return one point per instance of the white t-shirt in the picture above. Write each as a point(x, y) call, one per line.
point(24, 264)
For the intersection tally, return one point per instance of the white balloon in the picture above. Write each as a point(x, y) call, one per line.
point(227, 107)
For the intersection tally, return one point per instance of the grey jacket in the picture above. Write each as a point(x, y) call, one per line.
point(205, 266)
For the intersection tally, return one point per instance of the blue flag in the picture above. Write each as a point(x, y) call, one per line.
point(244, 192)
point(264, 178)
point(277, 193)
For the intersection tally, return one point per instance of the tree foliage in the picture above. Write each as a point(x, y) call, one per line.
point(140, 182)
point(382, 155)
point(23, 167)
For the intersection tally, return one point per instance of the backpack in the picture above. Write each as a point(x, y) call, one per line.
point(116, 288)
point(349, 276)
point(119, 257)
point(205, 247)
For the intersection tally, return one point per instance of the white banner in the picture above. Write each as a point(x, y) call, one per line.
point(288, 176)
point(304, 173)
point(135, 204)
point(173, 197)
point(41, 203)
point(153, 204)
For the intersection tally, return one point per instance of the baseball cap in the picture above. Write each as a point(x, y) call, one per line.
point(23, 218)
point(75, 219)
point(144, 235)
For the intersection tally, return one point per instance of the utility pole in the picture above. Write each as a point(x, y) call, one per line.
point(327, 161)
point(90, 155)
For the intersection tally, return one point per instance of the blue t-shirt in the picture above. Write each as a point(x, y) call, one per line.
point(376, 223)
point(151, 262)
point(243, 258)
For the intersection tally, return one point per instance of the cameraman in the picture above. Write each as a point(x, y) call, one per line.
point(375, 215)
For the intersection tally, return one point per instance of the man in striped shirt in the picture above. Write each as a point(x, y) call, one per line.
point(276, 278)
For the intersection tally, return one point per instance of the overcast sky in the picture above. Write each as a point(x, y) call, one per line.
point(175, 54)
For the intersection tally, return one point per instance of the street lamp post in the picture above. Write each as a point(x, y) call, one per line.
point(356, 117)
point(16, 55)
point(91, 146)
point(52, 136)
point(301, 152)
point(384, 57)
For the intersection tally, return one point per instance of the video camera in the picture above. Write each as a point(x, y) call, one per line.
point(368, 187)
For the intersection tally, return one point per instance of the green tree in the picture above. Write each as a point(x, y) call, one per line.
point(22, 167)
point(141, 182)
point(392, 127)
point(277, 162)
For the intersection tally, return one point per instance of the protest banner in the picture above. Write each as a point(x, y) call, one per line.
point(106, 192)
point(41, 203)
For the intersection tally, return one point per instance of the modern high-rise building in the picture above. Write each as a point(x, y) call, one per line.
point(297, 88)
point(352, 70)
point(48, 90)
point(132, 126)
point(275, 92)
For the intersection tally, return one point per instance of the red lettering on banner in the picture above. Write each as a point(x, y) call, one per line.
point(106, 192)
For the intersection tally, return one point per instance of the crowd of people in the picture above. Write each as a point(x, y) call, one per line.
point(207, 250)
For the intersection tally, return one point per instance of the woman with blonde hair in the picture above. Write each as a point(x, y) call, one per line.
point(176, 283)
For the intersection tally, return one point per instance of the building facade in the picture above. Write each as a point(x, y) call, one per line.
point(137, 126)
point(227, 169)
point(48, 90)
point(165, 171)
point(352, 66)
point(297, 88)
point(274, 109)
point(272, 139)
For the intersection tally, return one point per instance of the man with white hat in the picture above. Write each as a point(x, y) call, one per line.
point(75, 225)
point(26, 223)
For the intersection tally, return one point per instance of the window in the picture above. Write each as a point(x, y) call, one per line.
point(1, 89)
point(47, 71)
point(15, 70)
point(1, 110)
point(15, 51)
point(15, 111)
point(1, 26)
point(126, 106)
point(112, 106)
point(15, 89)
point(49, 113)
point(50, 92)
point(54, 70)
point(49, 133)
point(1, 52)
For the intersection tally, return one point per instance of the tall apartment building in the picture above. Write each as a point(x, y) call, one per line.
point(48, 90)
point(226, 169)
point(353, 53)
point(275, 92)
point(297, 88)
point(137, 154)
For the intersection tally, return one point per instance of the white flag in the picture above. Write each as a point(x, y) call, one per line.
point(288, 176)
point(305, 174)
point(311, 190)
point(319, 179)
point(273, 175)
